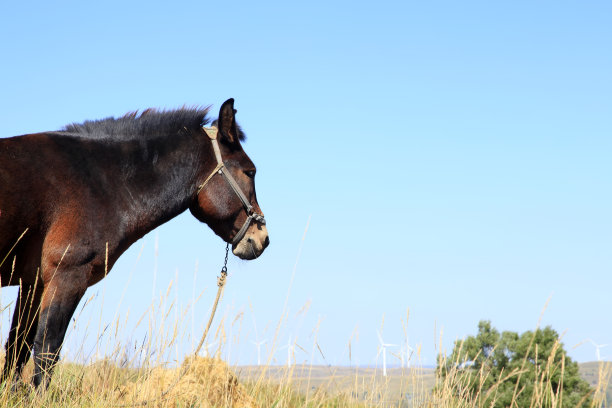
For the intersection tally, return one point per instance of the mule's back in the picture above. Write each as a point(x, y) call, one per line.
point(37, 173)
point(19, 191)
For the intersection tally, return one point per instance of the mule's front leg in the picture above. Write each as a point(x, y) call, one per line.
point(60, 298)
point(23, 329)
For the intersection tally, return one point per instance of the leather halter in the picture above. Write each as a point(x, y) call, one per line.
point(212, 132)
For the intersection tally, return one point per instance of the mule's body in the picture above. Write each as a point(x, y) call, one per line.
point(71, 202)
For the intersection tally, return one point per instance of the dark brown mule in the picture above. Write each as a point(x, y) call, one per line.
point(71, 202)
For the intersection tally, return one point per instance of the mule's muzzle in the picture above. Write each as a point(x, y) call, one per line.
point(254, 242)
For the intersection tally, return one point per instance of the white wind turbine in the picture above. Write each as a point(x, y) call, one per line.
point(406, 354)
point(258, 344)
point(383, 349)
point(597, 348)
point(290, 351)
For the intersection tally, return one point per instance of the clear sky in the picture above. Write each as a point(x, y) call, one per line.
point(454, 158)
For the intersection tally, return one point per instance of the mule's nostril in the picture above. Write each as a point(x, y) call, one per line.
point(266, 242)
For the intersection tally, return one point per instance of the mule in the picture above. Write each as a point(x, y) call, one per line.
point(72, 201)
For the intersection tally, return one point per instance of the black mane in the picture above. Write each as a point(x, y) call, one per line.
point(150, 123)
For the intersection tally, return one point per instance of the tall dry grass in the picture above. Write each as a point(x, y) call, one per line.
point(145, 376)
point(116, 372)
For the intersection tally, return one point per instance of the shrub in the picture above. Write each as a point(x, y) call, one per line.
point(508, 369)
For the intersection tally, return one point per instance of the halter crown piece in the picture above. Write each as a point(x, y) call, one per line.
point(212, 132)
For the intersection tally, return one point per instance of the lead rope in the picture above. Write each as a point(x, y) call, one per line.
point(220, 283)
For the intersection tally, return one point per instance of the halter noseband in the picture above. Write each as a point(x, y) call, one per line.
point(221, 169)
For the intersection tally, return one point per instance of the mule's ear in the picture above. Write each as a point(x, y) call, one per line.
point(227, 121)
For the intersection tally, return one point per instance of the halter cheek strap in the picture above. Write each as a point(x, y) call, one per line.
point(212, 133)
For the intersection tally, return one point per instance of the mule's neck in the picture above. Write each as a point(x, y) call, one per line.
point(158, 180)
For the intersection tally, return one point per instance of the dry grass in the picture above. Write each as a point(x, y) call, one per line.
point(209, 382)
point(119, 381)
point(206, 382)
point(122, 380)
point(203, 382)
point(134, 380)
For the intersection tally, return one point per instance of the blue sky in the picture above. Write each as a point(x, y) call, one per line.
point(453, 157)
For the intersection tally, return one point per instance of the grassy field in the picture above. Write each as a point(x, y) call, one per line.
point(365, 385)
point(118, 381)
point(128, 380)
point(209, 382)
point(401, 387)
point(205, 382)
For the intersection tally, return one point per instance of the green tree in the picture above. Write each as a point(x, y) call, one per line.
point(494, 369)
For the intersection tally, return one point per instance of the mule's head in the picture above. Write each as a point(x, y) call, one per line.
point(218, 203)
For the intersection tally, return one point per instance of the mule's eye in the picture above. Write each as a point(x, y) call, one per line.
point(250, 173)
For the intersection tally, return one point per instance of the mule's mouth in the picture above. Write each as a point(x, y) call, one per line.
point(253, 244)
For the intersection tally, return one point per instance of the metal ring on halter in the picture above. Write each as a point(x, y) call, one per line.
point(220, 168)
